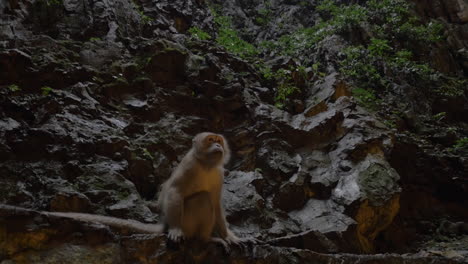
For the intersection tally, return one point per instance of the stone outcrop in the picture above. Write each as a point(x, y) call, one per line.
point(100, 99)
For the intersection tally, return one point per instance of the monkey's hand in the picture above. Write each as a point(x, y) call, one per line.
point(175, 234)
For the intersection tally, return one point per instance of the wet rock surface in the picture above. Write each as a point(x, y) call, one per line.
point(98, 244)
point(99, 100)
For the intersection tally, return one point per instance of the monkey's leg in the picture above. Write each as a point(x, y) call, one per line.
point(198, 218)
point(221, 224)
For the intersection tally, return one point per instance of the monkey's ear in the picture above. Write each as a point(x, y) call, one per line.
point(227, 151)
point(196, 138)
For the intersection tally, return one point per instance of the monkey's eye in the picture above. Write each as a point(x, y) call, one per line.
point(210, 139)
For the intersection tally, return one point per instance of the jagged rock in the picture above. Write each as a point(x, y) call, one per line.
point(97, 244)
point(13, 64)
point(167, 66)
point(69, 202)
point(127, 92)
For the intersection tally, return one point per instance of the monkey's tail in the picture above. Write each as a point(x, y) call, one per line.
point(111, 221)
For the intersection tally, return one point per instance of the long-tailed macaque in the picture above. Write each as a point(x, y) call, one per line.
point(191, 198)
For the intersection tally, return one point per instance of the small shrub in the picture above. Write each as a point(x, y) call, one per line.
point(343, 16)
point(146, 154)
point(452, 87)
point(229, 38)
point(379, 47)
point(46, 90)
point(94, 39)
point(359, 65)
point(439, 116)
point(282, 80)
point(263, 16)
point(284, 90)
point(460, 146)
point(144, 18)
point(403, 58)
point(14, 87)
point(285, 87)
point(199, 34)
point(366, 98)
point(461, 143)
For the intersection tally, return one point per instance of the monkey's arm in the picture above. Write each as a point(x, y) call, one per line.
point(173, 207)
point(221, 223)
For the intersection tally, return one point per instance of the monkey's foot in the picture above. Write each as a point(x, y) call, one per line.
point(232, 239)
point(223, 243)
point(251, 240)
point(244, 243)
point(175, 234)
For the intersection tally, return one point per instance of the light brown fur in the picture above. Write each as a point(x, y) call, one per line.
point(111, 221)
point(106, 220)
point(191, 198)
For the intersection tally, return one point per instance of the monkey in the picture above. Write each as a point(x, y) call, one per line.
point(190, 199)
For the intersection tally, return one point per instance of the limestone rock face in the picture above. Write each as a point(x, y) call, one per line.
point(99, 100)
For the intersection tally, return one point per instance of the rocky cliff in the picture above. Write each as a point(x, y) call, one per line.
point(347, 121)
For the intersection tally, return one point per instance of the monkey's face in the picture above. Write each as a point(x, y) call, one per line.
point(211, 146)
point(214, 144)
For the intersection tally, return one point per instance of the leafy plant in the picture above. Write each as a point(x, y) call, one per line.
point(298, 42)
point(266, 71)
point(263, 16)
point(229, 38)
point(267, 46)
point(379, 47)
point(14, 87)
point(461, 143)
point(284, 90)
point(46, 90)
point(199, 34)
point(328, 6)
point(359, 65)
point(366, 98)
point(94, 39)
point(390, 123)
point(343, 16)
point(337, 19)
point(145, 19)
point(430, 33)
point(147, 154)
point(403, 58)
point(392, 19)
point(388, 57)
point(439, 116)
point(460, 146)
point(452, 87)
point(282, 80)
